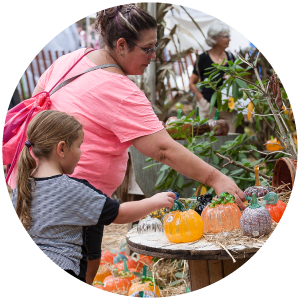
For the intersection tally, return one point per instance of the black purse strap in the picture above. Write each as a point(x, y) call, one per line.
point(86, 71)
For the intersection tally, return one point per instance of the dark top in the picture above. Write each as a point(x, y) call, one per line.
point(205, 62)
point(62, 210)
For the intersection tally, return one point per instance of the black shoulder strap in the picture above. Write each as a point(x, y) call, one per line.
point(86, 71)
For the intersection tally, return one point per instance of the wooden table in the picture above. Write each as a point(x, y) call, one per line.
point(207, 262)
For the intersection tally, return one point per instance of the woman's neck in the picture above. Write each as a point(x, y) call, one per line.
point(217, 51)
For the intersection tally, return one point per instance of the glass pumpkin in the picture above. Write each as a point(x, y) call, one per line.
point(221, 215)
point(149, 225)
point(114, 283)
point(107, 257)
point(102, 273)
point(171, 125)
point(258, 190)
point(256, 219)
point(202, 202)
point(144, 294)
point(275, 206)
point(182, 226)
point(146, 285)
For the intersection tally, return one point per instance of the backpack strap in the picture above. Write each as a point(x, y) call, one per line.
point(71, 68)
point(86, 71)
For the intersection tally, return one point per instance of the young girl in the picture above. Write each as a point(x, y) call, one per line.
point(56, 209)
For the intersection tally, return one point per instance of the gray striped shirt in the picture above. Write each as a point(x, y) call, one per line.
point(61, 206)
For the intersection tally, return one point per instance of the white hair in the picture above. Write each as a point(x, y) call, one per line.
point(215, 31)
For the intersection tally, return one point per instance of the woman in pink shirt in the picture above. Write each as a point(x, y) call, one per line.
point(116, 114)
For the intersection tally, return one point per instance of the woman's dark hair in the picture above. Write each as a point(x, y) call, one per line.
point(123, 21)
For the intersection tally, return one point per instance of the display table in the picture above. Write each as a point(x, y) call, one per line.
point(207, 262)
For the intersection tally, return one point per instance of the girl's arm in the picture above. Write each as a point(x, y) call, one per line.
point(161, 147)
point(133, 211)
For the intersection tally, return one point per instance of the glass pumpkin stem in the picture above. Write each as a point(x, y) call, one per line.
point(125, 266)
point(257, 182)
point(254, 203)
point(177, 206)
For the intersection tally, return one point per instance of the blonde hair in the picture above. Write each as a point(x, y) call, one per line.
point(44, 132)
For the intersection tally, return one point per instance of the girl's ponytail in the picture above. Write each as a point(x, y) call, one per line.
point(26, 165)
point(44, 132)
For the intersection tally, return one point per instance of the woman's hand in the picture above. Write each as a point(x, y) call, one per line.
point(165, 199)
point(222, 183)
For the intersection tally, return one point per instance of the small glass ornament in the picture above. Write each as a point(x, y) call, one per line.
point(149, 225)
point(258, 190)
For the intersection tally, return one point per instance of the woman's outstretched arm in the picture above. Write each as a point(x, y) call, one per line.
point(161, 147)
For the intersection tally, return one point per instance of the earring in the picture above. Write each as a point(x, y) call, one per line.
point(63, 155)
point(121, 54)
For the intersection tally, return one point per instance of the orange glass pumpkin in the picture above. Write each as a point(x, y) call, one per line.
point(182, 226)
point(273, 145)
point(275, 206)
point(146, 285)
point(221, 215)
point(102, 273)
point(107, 257)
point(114, 283)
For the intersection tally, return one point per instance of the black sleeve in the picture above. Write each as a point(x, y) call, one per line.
point(109, 212)
point(201, 65)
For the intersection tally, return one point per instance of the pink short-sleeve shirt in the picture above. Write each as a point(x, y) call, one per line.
point(113, 111)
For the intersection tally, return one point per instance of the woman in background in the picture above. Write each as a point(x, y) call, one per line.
point(218, 39)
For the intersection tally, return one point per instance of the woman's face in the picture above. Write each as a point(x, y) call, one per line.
point(223, 40)
point(137, 60)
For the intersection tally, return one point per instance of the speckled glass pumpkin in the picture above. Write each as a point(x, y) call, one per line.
point(256, 219)
point(275, 206)
point(182, 226)
point(144, 294)
point(258, 190)
point(221, 215)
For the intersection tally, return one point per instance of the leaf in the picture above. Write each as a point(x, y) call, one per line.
point(164, 167)
point(214, 158)
point(147, 167)
point(236, 172)
point(240, 117)
point(235, 90)
point(176, 282)
point(148, 159)
point(179, 275)
point(180, 182)
point(160, 177)
point(139, 275)
point(224, 171)
point(213, 101)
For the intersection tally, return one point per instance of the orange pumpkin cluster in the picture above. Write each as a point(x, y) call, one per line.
point(121, 279)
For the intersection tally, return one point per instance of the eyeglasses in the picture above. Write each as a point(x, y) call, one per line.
point(148, 51)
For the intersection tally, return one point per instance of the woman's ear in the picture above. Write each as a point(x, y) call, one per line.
point(121, 44)
point(61, 149)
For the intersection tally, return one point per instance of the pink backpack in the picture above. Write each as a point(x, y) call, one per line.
point(18, 118)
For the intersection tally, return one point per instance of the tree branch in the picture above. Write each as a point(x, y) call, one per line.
point(231, 161)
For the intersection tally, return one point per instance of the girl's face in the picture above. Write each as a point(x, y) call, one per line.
point(72, 155)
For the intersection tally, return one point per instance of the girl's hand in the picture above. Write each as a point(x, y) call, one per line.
point(165, 199)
